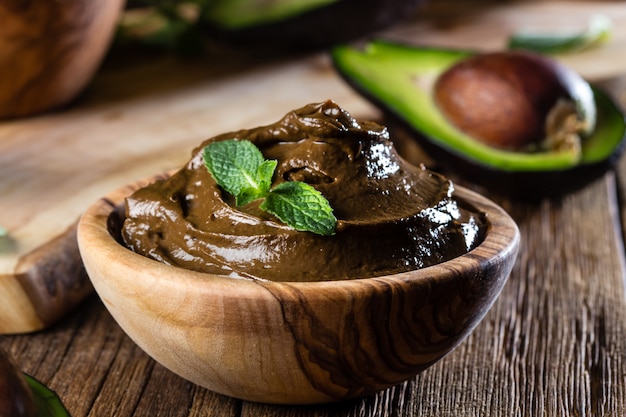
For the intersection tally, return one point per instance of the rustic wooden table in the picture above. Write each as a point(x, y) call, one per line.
point(554, 343)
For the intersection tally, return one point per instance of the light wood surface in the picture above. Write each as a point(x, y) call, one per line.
point(486, 26)
point(143, 114)
point(553, 344)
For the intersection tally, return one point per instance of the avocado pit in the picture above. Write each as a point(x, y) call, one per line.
point(517, 101)
point(397, 78)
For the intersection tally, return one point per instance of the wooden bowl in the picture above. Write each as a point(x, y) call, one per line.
point(49, 51)
point(293, 342)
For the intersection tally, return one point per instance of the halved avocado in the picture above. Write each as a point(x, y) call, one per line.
point(400, 78)
point(301, 23)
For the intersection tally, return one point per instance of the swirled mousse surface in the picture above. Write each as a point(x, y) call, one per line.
point(392, 216)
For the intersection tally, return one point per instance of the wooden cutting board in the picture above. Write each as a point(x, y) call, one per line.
point(143, 114)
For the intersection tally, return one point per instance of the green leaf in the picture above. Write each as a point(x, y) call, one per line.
point(302, 207)
point(265, 174)
point(238, 166)
point(47, 402)
point(598, 31)
point(3, 231)
point(247, 195)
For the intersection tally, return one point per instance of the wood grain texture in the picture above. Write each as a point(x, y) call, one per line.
point(44, 285)
point(142, 114)
point(553, 343)
point(49, 51)
point(294, 342)
point(140, 119)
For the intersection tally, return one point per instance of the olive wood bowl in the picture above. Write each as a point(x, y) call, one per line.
point(294, 342)
point(50, 50)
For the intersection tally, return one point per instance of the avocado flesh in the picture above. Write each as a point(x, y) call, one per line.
point(400, 78)
point(235, 14)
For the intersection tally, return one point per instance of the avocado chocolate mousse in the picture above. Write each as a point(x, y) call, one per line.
point(391, 216)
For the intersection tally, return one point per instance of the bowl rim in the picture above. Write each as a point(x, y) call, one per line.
point(500, 242)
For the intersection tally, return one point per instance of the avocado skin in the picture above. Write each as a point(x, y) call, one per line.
point(519, 185)
point(342, 21)
point(528, 185)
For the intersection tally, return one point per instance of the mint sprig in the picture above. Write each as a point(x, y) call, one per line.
point(240, 168)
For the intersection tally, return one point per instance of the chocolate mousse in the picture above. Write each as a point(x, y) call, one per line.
point(392, 216)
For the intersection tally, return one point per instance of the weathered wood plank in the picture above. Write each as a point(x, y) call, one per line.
point(553, 344)
point(133, 122)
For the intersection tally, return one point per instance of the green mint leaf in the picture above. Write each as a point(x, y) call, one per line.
point(265, 173)
point(247, 195)
point(239, 167)
point(302, 207)
point(263, 181)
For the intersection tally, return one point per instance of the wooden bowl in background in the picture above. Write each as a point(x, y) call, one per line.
point(294, 342)
point(49, 51)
